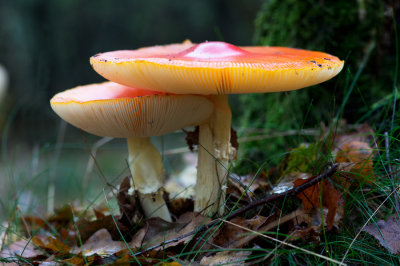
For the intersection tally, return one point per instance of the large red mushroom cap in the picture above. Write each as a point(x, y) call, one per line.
point(217, 68)
point(110, 109)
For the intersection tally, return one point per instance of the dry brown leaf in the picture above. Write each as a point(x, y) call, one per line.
point(157, 231)
point(129, 208)
point(311, 198)
point(231, 236)
point(173, 263)
point(124, 260)
point(387, 233)
point(362, 133)
point(179, 206)
point(226, 257)
point(100, 243)
point(309, 234)
point(252, 184)
point(51, 245)
point(62, 216)
point(75, 260)
point(88, 228)
point(22, 248)
point(356, 158)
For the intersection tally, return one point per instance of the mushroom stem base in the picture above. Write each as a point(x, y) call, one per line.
point(154, 206)
point(147, 171)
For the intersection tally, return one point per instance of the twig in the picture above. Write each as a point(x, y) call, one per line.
point(291, 192)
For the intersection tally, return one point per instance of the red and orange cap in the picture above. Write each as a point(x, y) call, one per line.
point(217, 68)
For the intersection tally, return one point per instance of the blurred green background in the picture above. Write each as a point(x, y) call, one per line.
point(45, 47)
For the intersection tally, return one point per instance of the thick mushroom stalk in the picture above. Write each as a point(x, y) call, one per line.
point(217, 68)
point(147, 170)
point(215, 155)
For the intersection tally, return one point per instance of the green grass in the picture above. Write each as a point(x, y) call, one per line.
point(26, 173)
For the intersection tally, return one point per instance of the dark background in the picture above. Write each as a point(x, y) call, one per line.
point(46, 45)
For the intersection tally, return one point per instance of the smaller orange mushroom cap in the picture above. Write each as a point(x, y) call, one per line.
point(217, 68)
point(110, 109)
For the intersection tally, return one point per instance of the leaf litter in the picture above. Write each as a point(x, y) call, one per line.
point(94, 237)
point(387, 233)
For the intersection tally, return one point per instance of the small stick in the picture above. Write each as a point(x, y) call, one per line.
point(290, 192)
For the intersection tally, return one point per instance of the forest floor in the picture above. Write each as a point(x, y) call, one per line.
point(334, 201)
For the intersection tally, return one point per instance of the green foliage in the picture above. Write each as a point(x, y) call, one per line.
point(343, 28)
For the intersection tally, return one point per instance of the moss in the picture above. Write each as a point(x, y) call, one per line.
point(343, 28)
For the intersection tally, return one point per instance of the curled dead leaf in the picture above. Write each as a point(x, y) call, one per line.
point(331, 198)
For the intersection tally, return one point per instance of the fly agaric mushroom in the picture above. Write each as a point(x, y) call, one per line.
point(113, 110)
point(218, 69)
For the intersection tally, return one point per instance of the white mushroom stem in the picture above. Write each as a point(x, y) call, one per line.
point(147, 171)
point(213, 166)
point(207, 184)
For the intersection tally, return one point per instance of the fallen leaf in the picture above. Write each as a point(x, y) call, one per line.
point(75, 260)
point(361, 133)
point(158, 231)
point(310, 234)
point(129, 207)
point(254, 185)
point(356, 158)
point(232, 236)
point(124, 260)
point(179, 206)
point(22, 248)
point(387, 233)
point(310, 197)
point(226, 257)
point(62, 216)
point(170, 264)
point(87, 228)
point(100, 243)
point(51, 245)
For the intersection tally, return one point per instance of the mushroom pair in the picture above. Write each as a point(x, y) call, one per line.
point(216, 69)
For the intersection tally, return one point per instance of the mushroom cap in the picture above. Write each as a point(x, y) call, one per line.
point(110, 109)
point(217, 68)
